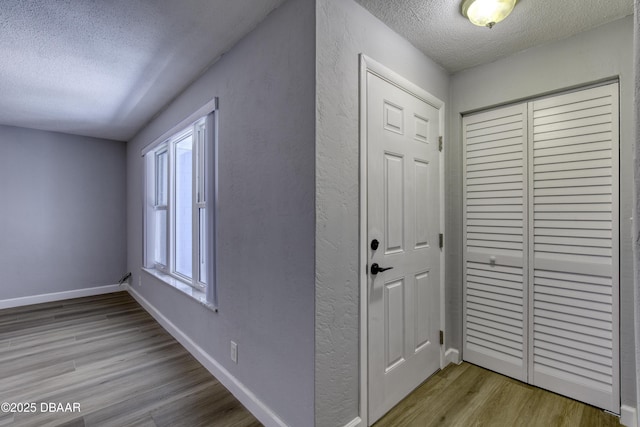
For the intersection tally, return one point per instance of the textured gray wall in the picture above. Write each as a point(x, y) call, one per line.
point(266, 212)
point(344, 30)
point(636, 199)
point(601, 53)
point(62, 220)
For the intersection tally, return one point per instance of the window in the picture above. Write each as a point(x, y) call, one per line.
point(177, 213)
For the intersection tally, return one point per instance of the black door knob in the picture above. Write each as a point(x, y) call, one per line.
point(375, 269)
point(375, 244)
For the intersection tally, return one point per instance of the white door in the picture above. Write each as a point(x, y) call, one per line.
point(573, 273)
point(541, 243)
point(403, 217)
point(495, 189)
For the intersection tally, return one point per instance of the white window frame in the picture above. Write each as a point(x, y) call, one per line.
point(203, 131)
point(157, 205)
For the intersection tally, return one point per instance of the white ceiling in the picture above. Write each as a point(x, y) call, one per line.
point(104, 68)
point(439, 30)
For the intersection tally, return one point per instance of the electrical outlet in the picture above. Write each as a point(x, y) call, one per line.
point(234, 352)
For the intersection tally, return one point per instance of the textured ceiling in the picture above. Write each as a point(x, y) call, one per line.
point(105, 67)
point(438, 29)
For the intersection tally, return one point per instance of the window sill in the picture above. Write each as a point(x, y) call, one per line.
point(185, 289)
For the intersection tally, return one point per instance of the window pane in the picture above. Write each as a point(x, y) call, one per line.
point(160, 250)
point(183, 207)
point(203, 246)
point(161, 178)
point(201, 181)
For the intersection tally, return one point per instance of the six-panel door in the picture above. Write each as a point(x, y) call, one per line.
point(403, 215)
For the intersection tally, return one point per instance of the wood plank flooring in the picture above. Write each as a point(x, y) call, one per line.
point(466, 395)
point(110, 356)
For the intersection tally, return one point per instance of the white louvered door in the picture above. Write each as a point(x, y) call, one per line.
point(566, 286)
point(573, 295)
point(494, 240)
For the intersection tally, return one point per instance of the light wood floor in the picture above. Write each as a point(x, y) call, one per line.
point(466, 395)
point(109, 355)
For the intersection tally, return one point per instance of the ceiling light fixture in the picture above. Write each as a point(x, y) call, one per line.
point(487, 13)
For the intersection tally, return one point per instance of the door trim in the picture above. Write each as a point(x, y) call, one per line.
point(368, 65)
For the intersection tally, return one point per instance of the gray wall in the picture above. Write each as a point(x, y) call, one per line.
point(602, 53)
point(62, 220)
point(266, 222)
point(344, 30)
point(636, 199)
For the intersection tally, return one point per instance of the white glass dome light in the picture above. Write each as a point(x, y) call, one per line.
point(487, 13)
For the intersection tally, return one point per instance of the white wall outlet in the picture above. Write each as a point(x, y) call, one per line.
point(234, 352)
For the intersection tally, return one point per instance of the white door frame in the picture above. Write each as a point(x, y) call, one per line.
point(368, 65)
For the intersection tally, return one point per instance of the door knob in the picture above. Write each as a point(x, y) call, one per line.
point(375, 269)
point(375, 244)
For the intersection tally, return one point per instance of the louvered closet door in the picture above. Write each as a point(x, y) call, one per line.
point(541, 261)
point(574, 250)
point(494, 240)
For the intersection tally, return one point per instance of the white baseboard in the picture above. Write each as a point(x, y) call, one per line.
point(261, 411)
point(59, 296)
point(628, 416)
point(356, 422)
point(452, 355)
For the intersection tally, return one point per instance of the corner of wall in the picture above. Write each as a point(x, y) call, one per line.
point(628, 416)
point(452, 355)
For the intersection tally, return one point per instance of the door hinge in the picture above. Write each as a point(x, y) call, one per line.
point(441, 241)
point(441, 338)
point(440, 143)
